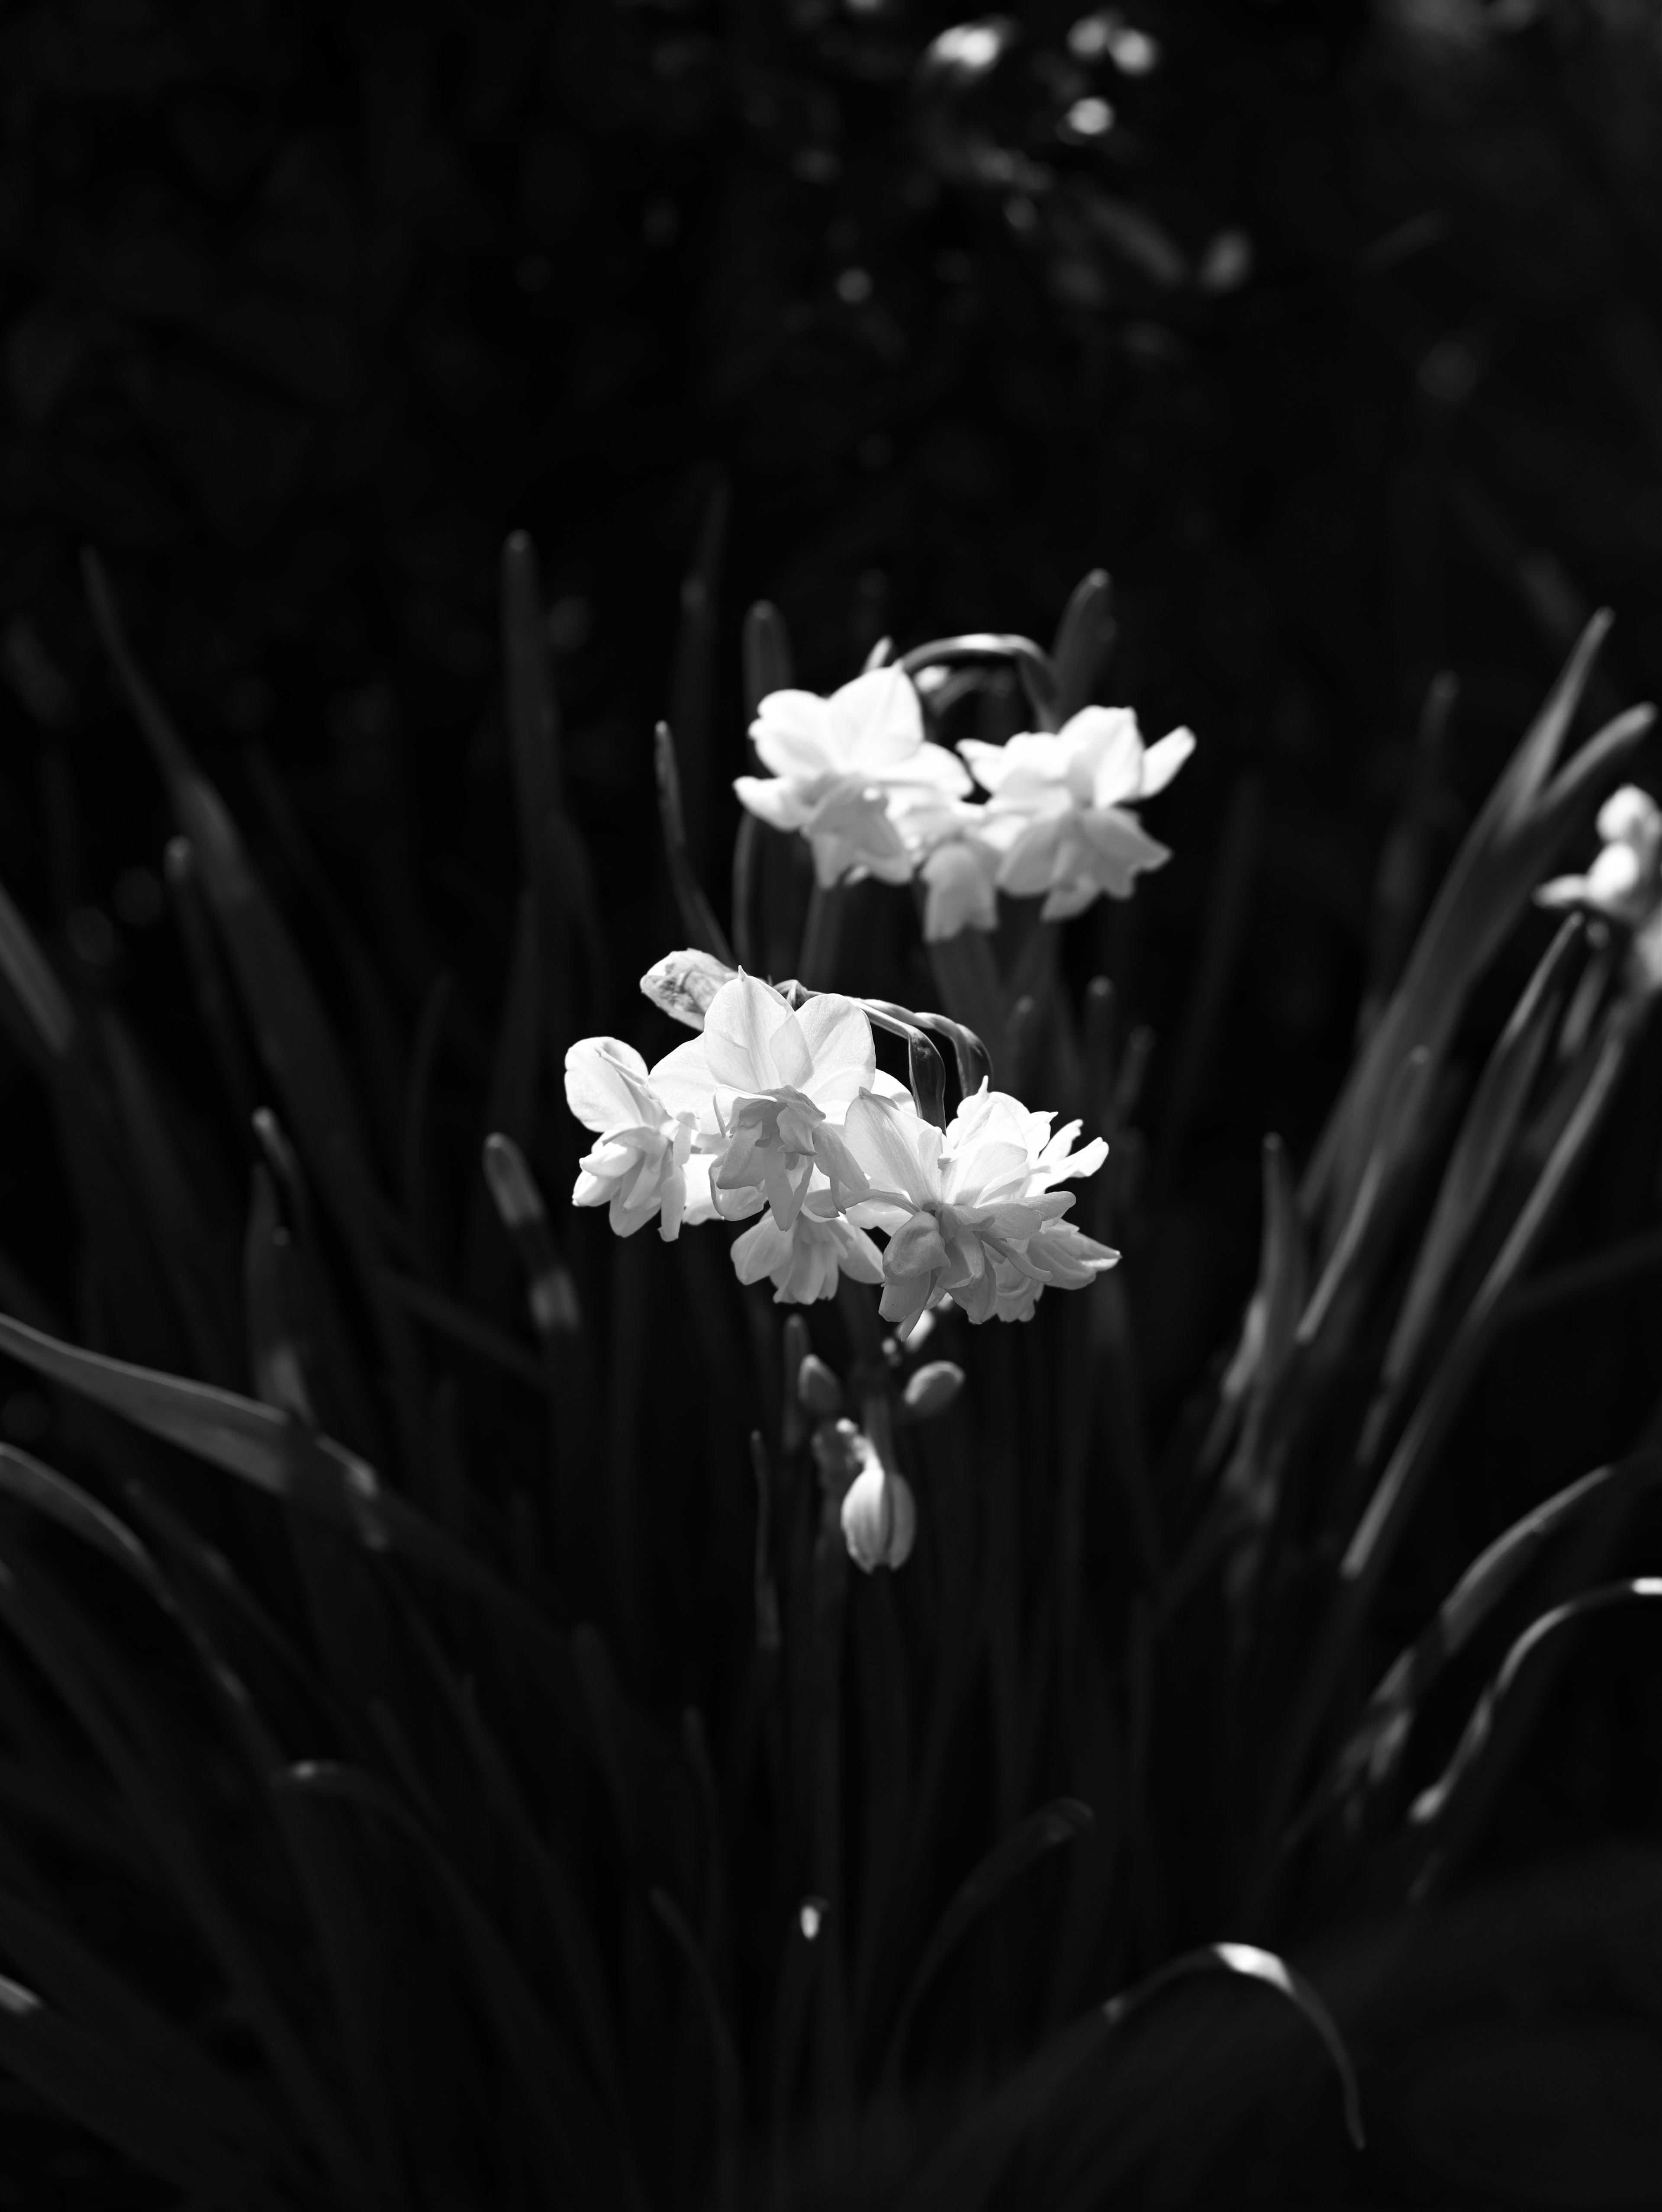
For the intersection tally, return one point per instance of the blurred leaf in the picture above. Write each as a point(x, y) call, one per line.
point(1509, 847)
point(1480, 1150)
point(1084, 640)
point(111, 2091)
point(766, 655)
point(1433, 1804)
point(698, 921)
point(1375, 1748)
point(1056, 1823)
point(963, 2174)
point(580, 2159)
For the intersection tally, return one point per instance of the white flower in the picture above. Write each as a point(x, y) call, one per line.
point(970, 1211)
point(803, 1261)
point(843, 769)
point(760, 1083)
point(1058, 813)
point(958, 864)
point(1624, 884)
point(642, 1165)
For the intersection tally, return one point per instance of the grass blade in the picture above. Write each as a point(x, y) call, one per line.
point(1056, 1823)
point(1084, 640)
point(1375, 1749)
point(1480, 1150)
point(1433, 1804)
point(580, 2156)
point(114, 2094)
point(729, 2081)
point(698, 921)
point(965, 2171)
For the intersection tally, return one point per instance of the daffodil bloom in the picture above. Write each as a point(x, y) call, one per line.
point(803, 1261)
point(760, 1083)
point(958, 864)
point(1624, 884)
point(971, 1210)
point(641, 1166)
point(843, 767)
point(1057, 813)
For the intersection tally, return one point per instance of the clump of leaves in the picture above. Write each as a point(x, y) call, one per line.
point(441, 1666)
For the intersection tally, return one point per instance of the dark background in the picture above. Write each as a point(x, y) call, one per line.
point(1341, 349)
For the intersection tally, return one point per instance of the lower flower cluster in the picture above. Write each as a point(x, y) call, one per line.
point(779, 1115)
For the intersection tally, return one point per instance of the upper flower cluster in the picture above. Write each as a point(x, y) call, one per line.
point(859, 777)
point(784, 1114)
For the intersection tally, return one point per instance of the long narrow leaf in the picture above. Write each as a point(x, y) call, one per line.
point(1041, 1833)
point(965, 2171)
point(113, 2093)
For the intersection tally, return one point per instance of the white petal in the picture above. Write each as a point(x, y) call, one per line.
point(1163, 759)
point(898, 1150)
point(878, 720)
point(682, 1080)
point(746, 1026)
point(839, 1041)
point(796, 734)
point(777, 800)
point(607, 1084)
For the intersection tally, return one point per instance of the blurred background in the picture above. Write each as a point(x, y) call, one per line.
point(1333, 331)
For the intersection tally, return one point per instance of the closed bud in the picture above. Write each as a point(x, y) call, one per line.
point(682, 984)
point(818, 1388)
point(933, 1388)
point(839, 1452)
point(879, 1516)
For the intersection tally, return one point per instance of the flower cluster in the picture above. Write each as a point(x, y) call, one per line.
point(781, 1117)
point(857, 776)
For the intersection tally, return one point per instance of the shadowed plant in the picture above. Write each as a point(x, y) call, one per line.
point(535, 1720)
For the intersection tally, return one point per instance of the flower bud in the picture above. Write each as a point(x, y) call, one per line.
point(839, 1453)
point(682, 984)
point(933, 1388)
point(818, 1388)
point(879, 1516)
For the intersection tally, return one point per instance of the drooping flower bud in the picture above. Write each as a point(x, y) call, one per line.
point(818, 1388)
point(933, 1388)
point(683, 984)
point(880, 1515)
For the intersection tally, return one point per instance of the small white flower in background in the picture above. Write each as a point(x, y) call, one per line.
point(843, 769)
point(640, 1168)
point(970, 1210)
point(1058, 807)
point(1624, 884)
point(958, 863)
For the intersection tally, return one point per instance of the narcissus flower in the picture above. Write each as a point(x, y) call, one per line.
point(803, 1261)
point(639, 1170)
point(760, 1082)
point(1057, 813)
point(1624, 884)
point(970, 1210)
point(845, 769)
point(958, 864)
